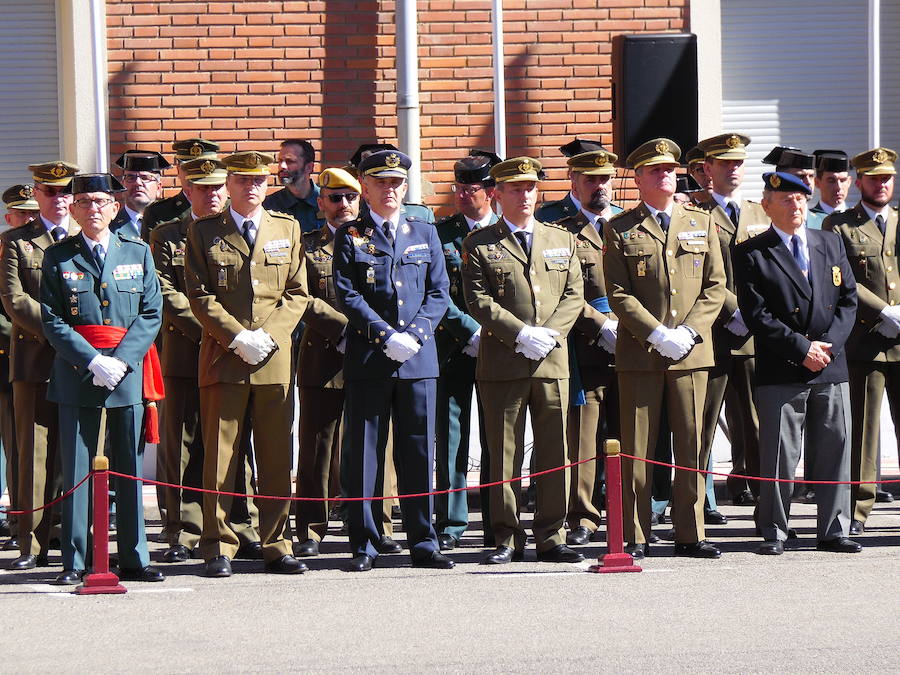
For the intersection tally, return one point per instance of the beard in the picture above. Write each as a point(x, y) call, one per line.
point(289, 178)
point(599, 201)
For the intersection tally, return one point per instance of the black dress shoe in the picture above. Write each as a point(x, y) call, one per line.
point(23, 562)
point(69, 577)
point(699, 549)
point(652, 538)
point(714, 518)
point(637, 551)
point(249, 551)
point(307, 549)
point(4, 528)
point(286, 564)
point(436, 561)
point(148, 573)
point(857, 527)
point(746, 498)
point(770, 547)
point(839, 545)
point(218, 567)
point(579, 536)
point(387, 545)
point(560, 554)
point(447, 542)
point(502, 555)
point(809, 496)
point(360, 563)
point(883, 497)
point(11, 544)
point(177, 553)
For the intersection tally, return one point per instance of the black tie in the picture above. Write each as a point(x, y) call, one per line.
point(879, 221)
point(600, 223)
point(247, 234)
point(663, 219)
point(59, 233)
point(99, 256)
point(734, 213)
point(523, 241)
point(386, 226)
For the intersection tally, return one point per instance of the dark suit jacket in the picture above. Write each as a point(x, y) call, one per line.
point(785, 314)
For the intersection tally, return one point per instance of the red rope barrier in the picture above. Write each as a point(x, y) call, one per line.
point(48, 505)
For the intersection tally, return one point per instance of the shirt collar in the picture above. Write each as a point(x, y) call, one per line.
point(723, 201)
point(133, 215)
point(883, 213)
point(49, 224)
point(379, 222)
point(655, 212)
point(104, 240)
point(475, 224)
point(786, 238)
point(239, 219)
point(528, 229)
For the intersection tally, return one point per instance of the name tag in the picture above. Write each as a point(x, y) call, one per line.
point(128, 271)
point(693, 234)
point(415, 247)
point(277, 247)
point(557, 253)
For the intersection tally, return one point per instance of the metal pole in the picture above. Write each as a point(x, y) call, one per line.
point(98, 35)
point(408, 94)
point(499, 80)
point(874, 73)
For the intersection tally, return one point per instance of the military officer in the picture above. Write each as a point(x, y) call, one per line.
point(141, 175)
point(550, 212)
point(522, 283)
point(101, 310)
point(869, 232)
point(802, 165)
point(736, 219)
point(31, 356)
point(418, 211)
point(391, 284)
point(246, 277)
point(593, 339)
point(832, 180)
point(666, 284)
point(181, 431)
point(176, 206)
point(299, 196)
point(457, 345)
point(695, 158)
point(21, 206)
point(796, 291)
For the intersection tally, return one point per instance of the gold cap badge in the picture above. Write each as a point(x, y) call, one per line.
point(392, 161)
point(662, 148)
point(775, 181)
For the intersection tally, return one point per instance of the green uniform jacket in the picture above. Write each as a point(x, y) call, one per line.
point(505, 289)
point(164, 210)
point(670, 278)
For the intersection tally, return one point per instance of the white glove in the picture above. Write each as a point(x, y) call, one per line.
point(529, 353)
point(471, 348)
point(341, 345)
point(609, 333)
point(401, 347)
point(251, 346)
point(264, 340)
point(107, 370)
point(736, 324)
point(891, 313)
point(672, 343)
point(537, 339)
point(887, 328)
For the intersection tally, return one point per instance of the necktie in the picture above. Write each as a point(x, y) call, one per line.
point(247, 233)
point(99, 256)
point(798, 255)
point(663, 219)
point(137, 225)
point(386, 226)
point(734, 213)
point(879, 221)
point(523, 241)
point(600, 223)
point(58, 233)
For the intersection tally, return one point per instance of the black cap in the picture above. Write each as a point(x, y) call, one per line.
point(686, 184)
point(774, 156)
point(580, 146)
point(795, 159)
point(367, 149)
point(95, 182)
point(474, 169)
point(142, 160)
point(778, 181)
point(493, 156)
point(831, 160)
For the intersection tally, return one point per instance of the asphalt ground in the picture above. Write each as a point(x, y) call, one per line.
point(802, 612)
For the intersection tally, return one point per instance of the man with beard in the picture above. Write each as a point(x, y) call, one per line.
point(601, 195)
point(299, 196)
point(832, 180)
point(141, 175)
point(869, 231)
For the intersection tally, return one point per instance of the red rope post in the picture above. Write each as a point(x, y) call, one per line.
point(615, 560)
point(101, 581)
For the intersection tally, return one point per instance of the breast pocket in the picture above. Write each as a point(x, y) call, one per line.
point(323, 274)
point(864, 259)
point(414, 267)
point(129, 295)
point(223, 266)
point(691, 253)
point(557, 273)
point(641, 260)
point(371, 271)
point(276, 267)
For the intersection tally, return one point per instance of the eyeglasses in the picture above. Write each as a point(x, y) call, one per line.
point(252, 180)
point(143, 177)
point(338, 197)
point(467, 189)
point(88, 203)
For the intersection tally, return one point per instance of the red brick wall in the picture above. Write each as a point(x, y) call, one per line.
point(249, 74)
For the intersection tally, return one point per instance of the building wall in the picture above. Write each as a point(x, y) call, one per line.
point(249, 74)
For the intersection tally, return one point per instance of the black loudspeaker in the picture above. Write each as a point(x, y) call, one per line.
point(654, 90)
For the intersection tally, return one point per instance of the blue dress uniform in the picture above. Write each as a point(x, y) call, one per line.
point(383, 288)
point(125, 293)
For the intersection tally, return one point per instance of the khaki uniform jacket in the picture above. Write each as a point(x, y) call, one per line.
point(321, 364)
point(163, 211)
point(31, 357)
point(180, 329)
point(873, 258)
point(232, 289)
point(506, 289)
point(752, 221)
point(657, 278)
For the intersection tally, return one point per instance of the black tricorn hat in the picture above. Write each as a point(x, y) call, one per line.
point(686, 184)
point(774, 156)
point(474, 169)
point(795, 159)
point(95, 182)
point(580, 146)
point(831, 160)
point(142, 160)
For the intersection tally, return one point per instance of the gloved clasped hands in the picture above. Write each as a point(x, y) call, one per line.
point(535, 342)
point(253, 346)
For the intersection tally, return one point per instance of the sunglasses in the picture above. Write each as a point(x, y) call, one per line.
point(338, 197)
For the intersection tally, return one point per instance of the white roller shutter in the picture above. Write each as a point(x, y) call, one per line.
point(795, 73)
point(29, 114)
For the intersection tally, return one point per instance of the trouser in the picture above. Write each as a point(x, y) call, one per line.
point(643, 395)
point(584, 432)
point(320, 442)
point(814, 418)
point(505, 406)
point(9, 472)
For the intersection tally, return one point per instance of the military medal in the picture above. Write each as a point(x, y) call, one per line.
point(371, 249)
point(223, 277)
point(322, 284)
point(405, 228)
point(836, 275)
point(370, 275)
point(642, 268)
point(501, 281)
point(368, 232)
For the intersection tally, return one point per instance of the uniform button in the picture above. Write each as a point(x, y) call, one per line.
point(672, 272)
point(441, 327)
point(308, 343)
point(399, 284)
point(890, 253)
point(403, 323)
point(2, 351)
point(21, 337)
point(400, 302)
point(532, 272)
point(674, 312)
point(107, 321)
point(252, 263)
point(892, 302)
point(890, 268)
point(255, 319)
point(255, 300)
point(133, 289)
point(74, 367)
point(537, 318)
point(105, 303)
point(104, 285)
point(421, 330)
point(490, 333)
point(377, 340)
point(674, 291)
point(256, 282)
point(892, 285)
point(537, 289)
point(171, 328)
point(669, 253)
point(537, 302)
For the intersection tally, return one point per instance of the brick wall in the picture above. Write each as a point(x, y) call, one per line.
point(248, 74)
